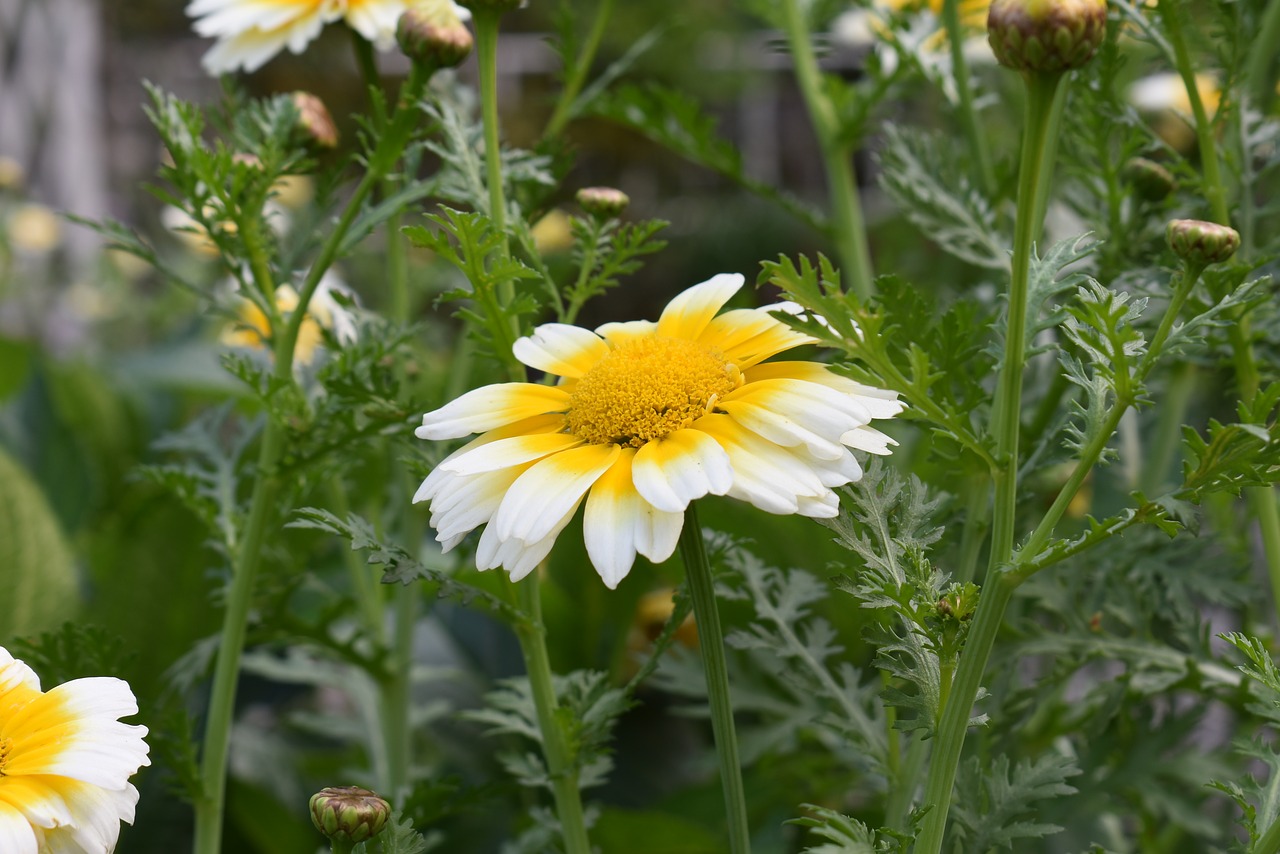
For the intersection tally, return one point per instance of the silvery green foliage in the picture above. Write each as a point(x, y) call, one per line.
point(993, 804)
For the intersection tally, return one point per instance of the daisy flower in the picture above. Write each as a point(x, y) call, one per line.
point(250, 32)
point(65, 762)
point(647, 417)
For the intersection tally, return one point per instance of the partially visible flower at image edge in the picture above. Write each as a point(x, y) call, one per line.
point(647, 417)
point(65, 762)
point(250, 32)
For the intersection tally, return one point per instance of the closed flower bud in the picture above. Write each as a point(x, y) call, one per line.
point(314, 122)
point(349, 813)
point(1152, 181)
point(603, 202)
point(434, 36)
point(1046, 35)
point(1202, 243)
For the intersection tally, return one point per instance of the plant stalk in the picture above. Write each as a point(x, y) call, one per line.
point(968, 114)
point(837, 157)
point(1043, 109)
point(711, 644)
point(564, 777)
point(581, 66)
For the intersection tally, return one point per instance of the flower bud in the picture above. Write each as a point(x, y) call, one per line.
point(1202, 243)
point(603, 202)
point(434, 36)
point(349, 813)
point(314, 122)
point(1152, 181)
point(1046, 35)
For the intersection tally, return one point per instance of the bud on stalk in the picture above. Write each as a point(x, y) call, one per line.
point(603, 202)
point(1202, 243)
point(1046, 35)
point(349, 814)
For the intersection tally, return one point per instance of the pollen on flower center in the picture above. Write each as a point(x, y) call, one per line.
point(5, 746)
point(647, 389)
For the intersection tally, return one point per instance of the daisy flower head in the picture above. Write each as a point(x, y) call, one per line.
point(65, 762)
point(326, 311)
point(647, 417)
point(250, 32)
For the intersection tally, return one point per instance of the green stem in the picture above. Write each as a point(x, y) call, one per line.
point(213, 770)
point(486, 24)
point(1269, 843)
point(578, 76)
point(711, 644)
point(1259, 85)
point(1168, 436)
point(837, 157)
point(903, 786)
point(1043, 108)
point(564, 777)
point(341, 846)
point(1215, 190)
point(364, 586)
point(975, 527)
point(968, 114)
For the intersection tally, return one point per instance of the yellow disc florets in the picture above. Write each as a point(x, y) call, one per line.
point(648, 389)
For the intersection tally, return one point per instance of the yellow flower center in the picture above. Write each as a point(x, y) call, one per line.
point(5, 746)
point(647, 389)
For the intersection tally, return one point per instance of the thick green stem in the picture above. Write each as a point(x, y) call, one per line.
point(968, 113)
point(1043, 108)
point(1215, 190)
point(262, 503)
point(1168, 435)
point(1259, 84)
point(902, 787)
point(341, 846)
point(564, 777)
point(582, 65)
point(1269, 843)
point(711, 644)
point(837, 157)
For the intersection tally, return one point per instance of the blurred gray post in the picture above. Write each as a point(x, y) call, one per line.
point(51, 117)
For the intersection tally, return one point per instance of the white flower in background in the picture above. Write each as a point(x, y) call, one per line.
point(250, 32)
point(1163, 98)
point(647, 417)
point(33, 229)
point(65, 762)
point(196, 237)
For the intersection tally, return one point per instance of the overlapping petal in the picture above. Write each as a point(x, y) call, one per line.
point(491, 406)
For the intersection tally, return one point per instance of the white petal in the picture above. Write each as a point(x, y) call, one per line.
point(16, 835)
point(491, 406)
point(560, 349)
point(795, 412)
point(542, 496)
point(618, 523)
point(868, 439)
point(684, 466)
point(509, 452)
point(621, 333)
point(688, 314)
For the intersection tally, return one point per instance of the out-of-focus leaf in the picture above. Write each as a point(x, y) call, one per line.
point(37, 572)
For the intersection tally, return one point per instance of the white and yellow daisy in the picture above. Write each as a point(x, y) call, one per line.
point(250, 32)
point(65, 762)
point(252, 328)
point(647, 417)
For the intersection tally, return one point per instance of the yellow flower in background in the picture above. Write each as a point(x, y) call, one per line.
point(1163, 97)
point(553, 233)
point(250, 32)
point(33, 229)
point(864, 27)
point(65, 762)
point(647, 417)
point(252, 328)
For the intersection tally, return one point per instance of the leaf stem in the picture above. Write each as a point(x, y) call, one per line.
point(578, 76)
point(837, 157)
point(564, 776)
point(262, 503)
point(1043, 109)
point(968, 114)
point(711, 644)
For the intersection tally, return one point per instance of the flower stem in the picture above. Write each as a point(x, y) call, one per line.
point(837, 157)
point(210, 806)
point(564, 777)
point(1043, 109)
point(1215, 190)
point(711, 644)
point(1269, 843)
point(968, 114)
point(342, 846)
point(1168, 434)
point(486, 24)
point(1262, 55)
point(582, 64)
